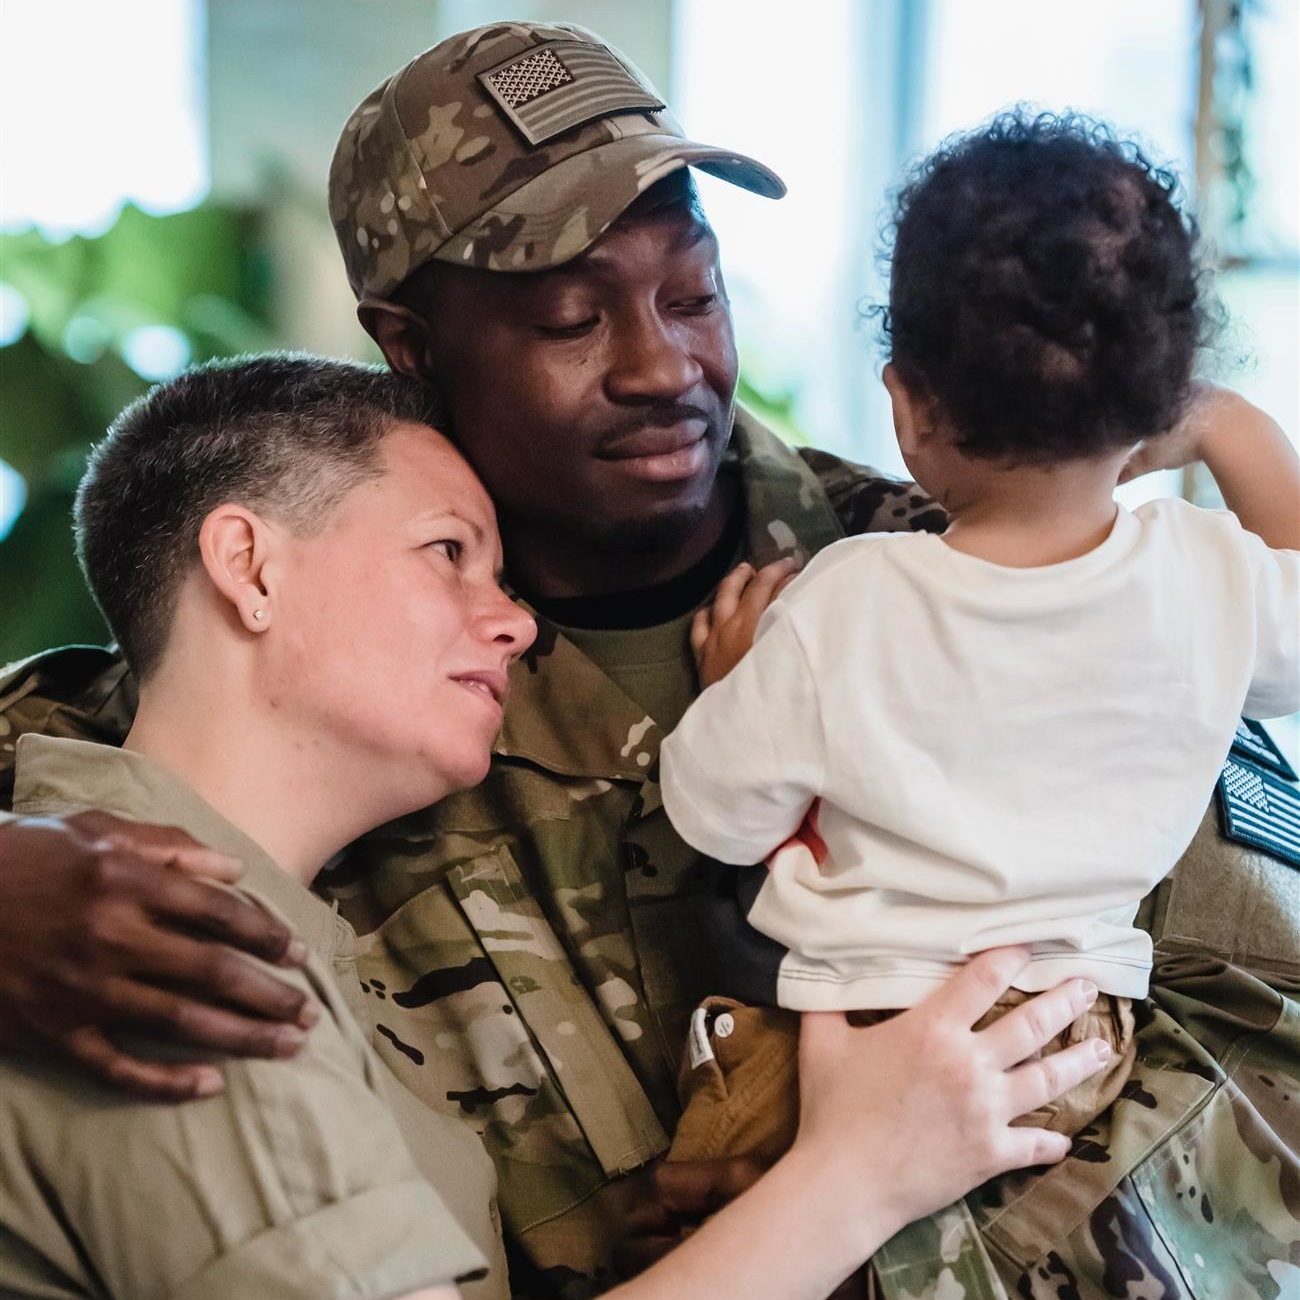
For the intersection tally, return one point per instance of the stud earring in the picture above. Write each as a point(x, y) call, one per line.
point(259, 615)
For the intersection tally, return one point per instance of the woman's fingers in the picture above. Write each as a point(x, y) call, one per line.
point(973, 990)
point(1035, 1083)
point(1026, 1147)
point(1029, 1027)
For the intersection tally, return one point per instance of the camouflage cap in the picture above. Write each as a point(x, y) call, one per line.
point(511, 147)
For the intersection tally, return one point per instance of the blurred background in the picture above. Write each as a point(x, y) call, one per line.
point(162, 193)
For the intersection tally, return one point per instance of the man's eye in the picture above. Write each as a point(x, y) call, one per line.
point(567, 331)
point(704, 302)
point(446, 546)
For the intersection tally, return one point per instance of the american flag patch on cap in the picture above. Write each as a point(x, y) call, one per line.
point(564, 84)
point(1260, 810)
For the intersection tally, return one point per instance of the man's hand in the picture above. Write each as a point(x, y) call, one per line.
point(679, 1196)
point(109, 924)
point(722, 633)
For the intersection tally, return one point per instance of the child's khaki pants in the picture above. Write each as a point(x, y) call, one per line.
point(739, 1083)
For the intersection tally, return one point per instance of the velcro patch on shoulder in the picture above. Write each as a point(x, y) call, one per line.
point(561, 85)
point(1254, 743)
point(1260, 810)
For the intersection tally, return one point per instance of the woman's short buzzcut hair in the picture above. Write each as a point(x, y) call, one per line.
point(283, 434)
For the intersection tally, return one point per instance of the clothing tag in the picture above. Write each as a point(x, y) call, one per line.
point(699, 1038)
point(1260, 810)
point(1254, 743)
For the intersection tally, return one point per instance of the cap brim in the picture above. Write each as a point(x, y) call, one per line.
point(558, 215)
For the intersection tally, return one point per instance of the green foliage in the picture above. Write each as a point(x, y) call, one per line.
point(202, 273)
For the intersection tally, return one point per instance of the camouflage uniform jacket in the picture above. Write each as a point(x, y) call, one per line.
point(532, 972)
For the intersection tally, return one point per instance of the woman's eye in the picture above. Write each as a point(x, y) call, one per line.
point(446, 546)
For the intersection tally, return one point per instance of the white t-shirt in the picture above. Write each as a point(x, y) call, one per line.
point(1001, 755)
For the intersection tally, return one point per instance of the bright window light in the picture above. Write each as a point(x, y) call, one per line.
point(101, 104)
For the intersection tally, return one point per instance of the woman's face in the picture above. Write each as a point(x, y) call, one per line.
point(392, 636)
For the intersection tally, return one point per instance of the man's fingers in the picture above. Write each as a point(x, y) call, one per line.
point(729, 591)
point(1031, 1026)
point(207, 864)
point(178, 1017)
point(165, 845)
point(155, 1080)
point(229, 917)
point(1035, 1083)
point(973, 989)
point(692, 1189)
point(213, 973)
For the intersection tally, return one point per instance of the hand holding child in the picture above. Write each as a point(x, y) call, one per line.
point(722, 633)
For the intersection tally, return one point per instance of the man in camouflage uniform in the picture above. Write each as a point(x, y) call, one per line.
point(534, 946)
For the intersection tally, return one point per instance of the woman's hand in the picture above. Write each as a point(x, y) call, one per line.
point(898, 1120)
point(722, 633)
point(909, 1114)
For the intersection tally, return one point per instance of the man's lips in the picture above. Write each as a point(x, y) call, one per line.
point(662, 455)
point(657, 441)
point(491, 684)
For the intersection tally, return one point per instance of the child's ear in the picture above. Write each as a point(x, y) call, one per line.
point(909, 426)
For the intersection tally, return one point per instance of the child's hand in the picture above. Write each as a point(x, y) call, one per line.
point(1251, 459)
point(1211, 410)
point(722, 633)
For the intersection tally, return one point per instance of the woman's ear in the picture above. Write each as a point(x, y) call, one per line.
point(236, 546)
point(403, 337)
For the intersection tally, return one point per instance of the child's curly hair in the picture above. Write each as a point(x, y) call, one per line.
point(1044, 289)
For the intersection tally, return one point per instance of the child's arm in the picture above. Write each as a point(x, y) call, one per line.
point(740, 769)
point(1252, 461)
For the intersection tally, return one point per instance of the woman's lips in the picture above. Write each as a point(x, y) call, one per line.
point(490, 687)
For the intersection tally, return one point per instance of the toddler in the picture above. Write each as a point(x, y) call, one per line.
point(1006, 734)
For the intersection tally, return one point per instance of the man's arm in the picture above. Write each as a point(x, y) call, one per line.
point(295, 1182)
point(105, 924)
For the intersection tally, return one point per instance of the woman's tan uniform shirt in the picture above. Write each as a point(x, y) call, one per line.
point(294, 1182)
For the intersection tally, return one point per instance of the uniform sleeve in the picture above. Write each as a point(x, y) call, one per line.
point(740, 770)
point(1275, 683)
point(293, 1183)
point(78, 692)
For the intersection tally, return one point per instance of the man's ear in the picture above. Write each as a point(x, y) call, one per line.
point(403, 337)
point(235, 546)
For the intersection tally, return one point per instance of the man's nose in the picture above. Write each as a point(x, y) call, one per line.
point(652, 359)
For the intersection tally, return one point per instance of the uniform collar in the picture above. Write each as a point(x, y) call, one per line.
point(567, 716)
point(56, 776)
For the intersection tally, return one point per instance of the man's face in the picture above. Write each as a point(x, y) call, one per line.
point(594, 399)
point(392, 634)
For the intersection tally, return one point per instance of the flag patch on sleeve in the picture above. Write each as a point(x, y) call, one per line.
point(1260, 810)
